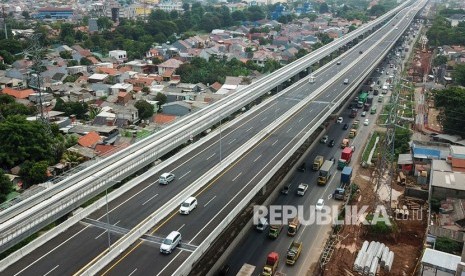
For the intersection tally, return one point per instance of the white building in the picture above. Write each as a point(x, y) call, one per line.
point(119, 55)
point(168, 6)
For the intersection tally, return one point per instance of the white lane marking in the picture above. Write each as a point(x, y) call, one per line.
point(132, 272)
point(161, 271)
point(277, 109)
point(209, 201)
point(258, 157)
point(263, 119)
point(289, 130)
point(301, 119)
point(185, 174)
point(117, 222)
point(72, 237)
point(51, 270)
point(149, 199)
point(101, 234)
point(250, 128)
point(211, 156)
point(232, 141)
point(274, 142)
point(181, 227)
point(237, 176)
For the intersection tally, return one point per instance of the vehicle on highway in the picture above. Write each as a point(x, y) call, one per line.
point(346, 81)
point(364, 113)
point(338, 63)
point(293, 252)
point(366, 122)
point(361, 52)
point(319, 204)
point(188, 205)
point(317, 162)
point(302, 189)
point(286, 188)
point(293, 226)
point(166, 178)
point(262, 224)
point(340, 120)
point(324, 140)
point(170, 242)
point(271, 265)
point(302, 167)
point(331, 143)
point(246, 270)
point(275, 230)
point(345, 127)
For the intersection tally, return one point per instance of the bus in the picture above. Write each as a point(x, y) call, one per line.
point(373, 109)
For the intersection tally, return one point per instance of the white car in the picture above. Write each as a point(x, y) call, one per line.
point(170, 242)
point(364, 114)
point(166, 178)
point(302, 189)
point(340, 120)
point(262, 224)
point(188, 205)
point(366, 122)
point(319, 205)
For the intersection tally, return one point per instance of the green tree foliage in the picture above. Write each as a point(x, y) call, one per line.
point(66, 55)
point(9, 107)
point(104, 23)
point(448, 245)
point(6, 186)
point(401, 141)
point(8, 58)
point(161, 98)
point(144, 108)
point(377, 10)
point(442, 33)
point(458, 75)
point(451, 102)
point(11, 46)
point(73, 108)
point(85, 61)
point(23, 140)
point(323, 8)
point(33, 173)
point(439, 60)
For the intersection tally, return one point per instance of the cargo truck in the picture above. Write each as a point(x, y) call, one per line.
point(355, 124)
point(275, 230)
point(370, 99)
point(293, 252)
point(345, 143)
point(373, 110)
point(271, 265)
point(293, 226)
point(346, 157)
point(318, 162)
point(325, 172)
point(366, 107)
point(246, 270)
point(346, 176)
point(363, 97)
point(352, 133)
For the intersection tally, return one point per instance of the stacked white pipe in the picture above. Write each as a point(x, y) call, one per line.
point(371, 255)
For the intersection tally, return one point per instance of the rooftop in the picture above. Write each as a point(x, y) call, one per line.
point(448, 180)
point(440, 259)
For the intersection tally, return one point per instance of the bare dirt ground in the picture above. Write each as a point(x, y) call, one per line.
point(406, 242)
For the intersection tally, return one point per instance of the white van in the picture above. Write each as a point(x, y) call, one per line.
point(166, 178)
point(170, 242)
point(188, 205)
point(346, 81)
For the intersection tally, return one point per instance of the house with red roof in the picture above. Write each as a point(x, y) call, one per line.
point(89, 140)
point(18, 93)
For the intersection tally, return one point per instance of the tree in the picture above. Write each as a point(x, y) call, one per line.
point(33, 173)
point(9, 107)
point(23, 140)
point(146, 89)
point(323, 8)
point(104, 23)
point(161, 98)
point(72, 108)
point(85, 61)
point(72, 158)
point(144, 108)
point(8, 58)
point(439, 60)
point(255, 13)
point(451, 102)
point(458, 75)
point(66, 55)
point(6, 186)
point(448, 245)
point(26, 15)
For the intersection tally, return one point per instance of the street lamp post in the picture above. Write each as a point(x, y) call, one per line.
point(108, 219)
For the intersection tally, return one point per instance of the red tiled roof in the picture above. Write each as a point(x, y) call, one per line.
point(163, 118)
point(122, 94)
point(216, 86)
point(18, 94)
point(168, 73)
point(106, 70)
point(104, 149)
point(458, 163)
point(93, 59)
point(89, 139)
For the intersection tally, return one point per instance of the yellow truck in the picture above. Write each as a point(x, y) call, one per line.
point(271, 265)
point(355, 124)
point(293, 226)
point(293, 252)
point(352, 133)
point(318, 162)
point(325, 172)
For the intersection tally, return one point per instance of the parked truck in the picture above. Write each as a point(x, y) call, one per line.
point(318, 162)
point(293, 252)
point(275, 230)
point(352, 133)
point(325, 172)
point(346, 157)
point(271, 265)
point(346, 176)
point(345, 143)
point(246, 270)
point(293, 226)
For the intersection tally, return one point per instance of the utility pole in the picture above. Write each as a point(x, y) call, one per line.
point(4, 22)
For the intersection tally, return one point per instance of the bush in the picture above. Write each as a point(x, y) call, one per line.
point(380, 228)
point(448, 245)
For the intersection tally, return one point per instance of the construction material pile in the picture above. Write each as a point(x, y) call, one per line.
point(372, 255)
